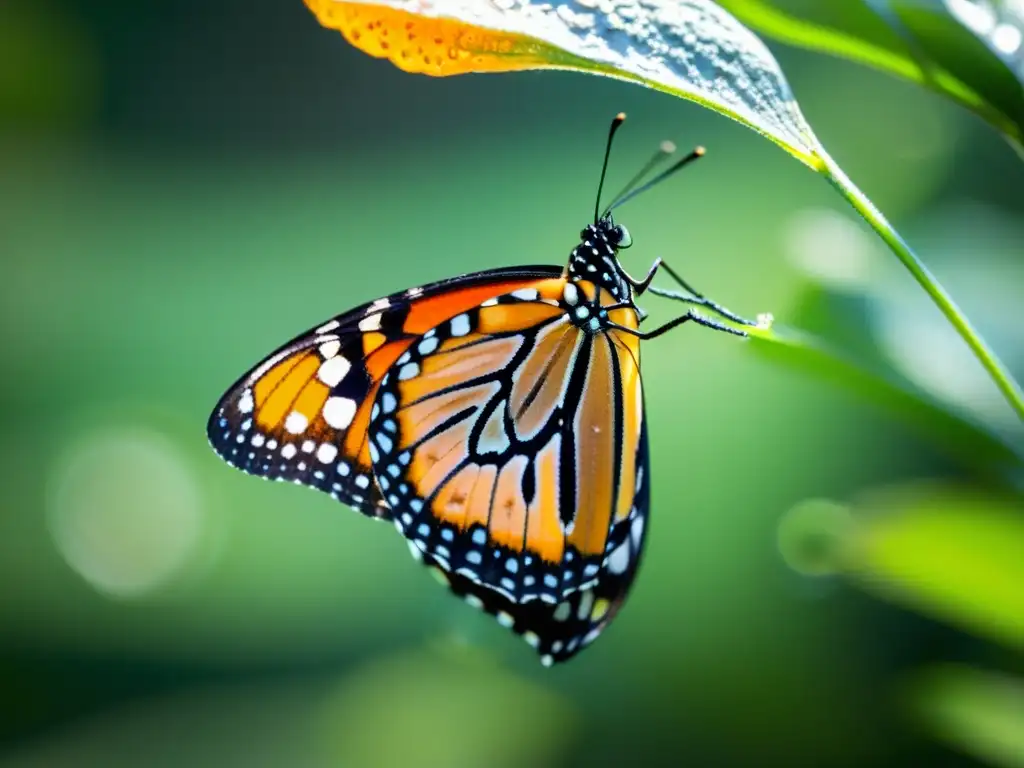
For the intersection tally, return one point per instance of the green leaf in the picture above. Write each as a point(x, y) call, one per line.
point(688, 48)
point(979, 713)
point(949, 552)
point(966, 440)
point(969, 51)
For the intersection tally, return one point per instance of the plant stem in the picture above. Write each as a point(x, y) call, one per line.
point(997, 371)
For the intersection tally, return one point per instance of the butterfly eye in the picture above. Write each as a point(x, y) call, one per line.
point(624, 238)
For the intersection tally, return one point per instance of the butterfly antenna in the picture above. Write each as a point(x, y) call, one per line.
point(616, 122)
point(665, 151)
point(697, 153)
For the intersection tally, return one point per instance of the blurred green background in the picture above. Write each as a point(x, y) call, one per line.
point(186, 185)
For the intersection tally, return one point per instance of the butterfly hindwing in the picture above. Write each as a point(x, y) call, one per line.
point(301, 415)
point(506, 442)
point(558, 632)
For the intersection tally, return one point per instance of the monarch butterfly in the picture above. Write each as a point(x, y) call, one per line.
point(496, 419)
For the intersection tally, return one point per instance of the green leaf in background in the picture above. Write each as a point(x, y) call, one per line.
point(977, 712)
point(689, 48)
point(968, 441)
point(952, 553)
point(971, 51)
point(858, 319)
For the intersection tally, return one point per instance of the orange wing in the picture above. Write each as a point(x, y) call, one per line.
point(302, 414)
point(505, 442)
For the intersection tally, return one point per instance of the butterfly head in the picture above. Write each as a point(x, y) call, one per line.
point(608, 233)
point(595, 258)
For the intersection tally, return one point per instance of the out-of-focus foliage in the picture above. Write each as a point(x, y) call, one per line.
point(971, 51)
point(861, 328)
point(968, 441)
point(48, 70)
point(949, 552)
point(974, 711)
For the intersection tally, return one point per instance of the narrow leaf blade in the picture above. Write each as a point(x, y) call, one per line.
point(965, 440)
point(949, 552)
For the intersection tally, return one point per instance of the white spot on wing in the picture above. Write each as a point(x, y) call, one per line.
point(338, 411)
point(370, 323)
point(460, 325)
point(246, 404)
point(526, 294)
point(326, 453)
point(296, 423)
point(586, 603)
point(333, 370)
point(570, 294)
point(329, 326)
point(637, 530)
point(618, 560)
point(561, 613)
point(329, 349)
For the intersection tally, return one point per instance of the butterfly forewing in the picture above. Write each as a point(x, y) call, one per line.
point(301, 415)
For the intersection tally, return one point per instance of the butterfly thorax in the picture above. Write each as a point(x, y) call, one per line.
point(594, 270)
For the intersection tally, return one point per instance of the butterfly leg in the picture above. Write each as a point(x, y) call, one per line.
point(642, 285)
point(707, 322)
point(696, 298)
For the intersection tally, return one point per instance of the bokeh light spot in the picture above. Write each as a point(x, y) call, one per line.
point(812, 536)
point(831, 248)
point(124, 511)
